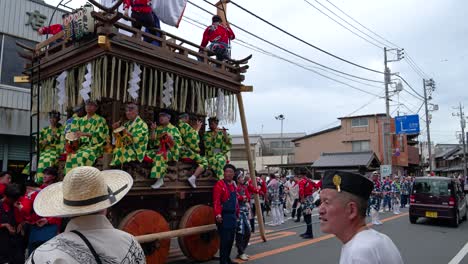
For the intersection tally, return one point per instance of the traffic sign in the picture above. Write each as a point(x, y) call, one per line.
point(408, 124)
point(385, 170)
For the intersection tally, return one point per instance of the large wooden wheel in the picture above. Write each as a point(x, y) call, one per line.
point(200, 247)
point(143, 222)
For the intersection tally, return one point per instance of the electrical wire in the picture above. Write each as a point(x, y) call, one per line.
point(345, 27)
point(412, 89)
point(291, 62)
point(286, 50)
point(297, 38)
point(268, 53)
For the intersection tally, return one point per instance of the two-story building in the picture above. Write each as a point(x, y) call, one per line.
point(19, 22)
point(361, 138)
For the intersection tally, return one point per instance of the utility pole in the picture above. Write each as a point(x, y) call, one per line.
point(386, 139)
point(429, 147)
point(429, 85)
point(461, 114)
point(387, 142)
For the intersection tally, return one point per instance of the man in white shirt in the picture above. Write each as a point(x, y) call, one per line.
point(342, 212)
point(84, 195)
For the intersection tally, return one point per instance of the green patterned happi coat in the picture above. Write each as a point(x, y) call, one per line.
point(191, 147)
point(50, 147)
point(136, 151)
point(90, 148)
point(216, 148)
point(159, 168)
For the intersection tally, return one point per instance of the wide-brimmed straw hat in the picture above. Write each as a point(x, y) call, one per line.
point(84, 190)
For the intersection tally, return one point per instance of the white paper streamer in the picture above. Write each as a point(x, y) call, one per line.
point(168, 91)
point(61, 87)
point(84, 92)
point(220, 111)
point(134, 80)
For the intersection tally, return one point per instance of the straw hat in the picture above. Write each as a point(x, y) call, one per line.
point(84, 190)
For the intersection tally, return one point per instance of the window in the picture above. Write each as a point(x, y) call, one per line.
point(359, 122)
point(13, 64)
point(360, 146)
point(275, 144)
point(434, 187)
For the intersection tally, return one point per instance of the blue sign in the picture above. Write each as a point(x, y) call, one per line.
point(407, 124)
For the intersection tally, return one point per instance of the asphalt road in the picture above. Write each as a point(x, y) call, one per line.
point(428, 241)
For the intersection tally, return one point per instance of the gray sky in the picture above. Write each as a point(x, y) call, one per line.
point(432, 32)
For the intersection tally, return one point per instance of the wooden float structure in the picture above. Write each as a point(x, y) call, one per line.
point(174, 210)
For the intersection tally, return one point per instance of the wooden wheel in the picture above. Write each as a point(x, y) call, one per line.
point(143, 222)
point(200, 247)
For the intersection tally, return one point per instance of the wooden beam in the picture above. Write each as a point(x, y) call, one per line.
point(246, 88)
point(245, 132)
point(176, 233)
point(47, 42)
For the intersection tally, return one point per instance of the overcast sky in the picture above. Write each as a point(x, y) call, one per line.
point(434, 33)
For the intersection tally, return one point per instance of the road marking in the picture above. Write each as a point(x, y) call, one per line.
point(271, 237)
point(306, 243)
point(461, 254)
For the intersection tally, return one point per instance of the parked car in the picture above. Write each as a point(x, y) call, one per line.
point(439, 198)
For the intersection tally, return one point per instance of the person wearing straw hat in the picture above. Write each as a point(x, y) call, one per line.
point(85, 195)
point(191, 145)
point(132, 138)
point(217, 145)
point(92, 132)
point(50, 146)
point(165, 141)
point(342, 212)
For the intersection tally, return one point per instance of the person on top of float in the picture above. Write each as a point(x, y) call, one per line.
point(50, 146)
point(131, 138)
point(191, 145)
point(166, 141)
point(217, 144)
point(219, 35)
point(92, 132)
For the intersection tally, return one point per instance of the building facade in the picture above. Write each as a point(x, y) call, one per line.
point(360, 134)
point(19, 22)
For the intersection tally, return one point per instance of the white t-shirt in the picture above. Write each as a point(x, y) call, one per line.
point(370, 247)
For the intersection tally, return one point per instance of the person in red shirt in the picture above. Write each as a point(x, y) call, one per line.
point(226, 210)
point(52, 29)
point(5, 179)
point(220, 36)
point(11, 244)
point(243, 226)
point(42, 228)
point(261, 191)
point(142, 12)
point(306, 189)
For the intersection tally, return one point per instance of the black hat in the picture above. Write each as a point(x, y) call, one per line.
point(91, 102)
point(229, 166)
point(349, 182)
point(184, 115)
point(216, 18)
point(166, 113)
point(213, 119)
point(54, 114)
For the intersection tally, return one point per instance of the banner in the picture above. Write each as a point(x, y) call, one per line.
point(169, 12)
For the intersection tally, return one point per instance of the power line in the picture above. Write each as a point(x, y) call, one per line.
point(299, 39)
point(373, 32)
point(348, 115)
point(408, 58)
point(294, 63)
point(268, 53)
point(409, 85)
point(286, 50)
point(365, 39)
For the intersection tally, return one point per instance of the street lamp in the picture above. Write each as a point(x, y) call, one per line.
point(281, 118)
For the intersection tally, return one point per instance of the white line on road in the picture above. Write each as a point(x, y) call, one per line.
point(461, 254)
